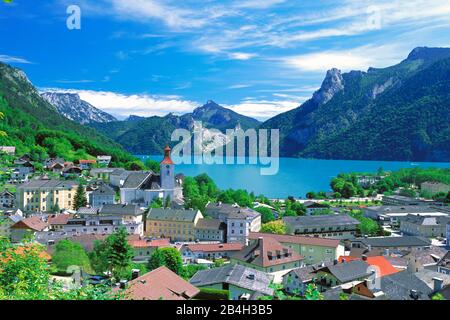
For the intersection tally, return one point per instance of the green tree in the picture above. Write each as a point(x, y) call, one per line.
point(80, 199)
point(266, 214)
point(99, 257)
point(169, 257)
point(69, 253)
point(437, 296)
point(120, 253)
point(275, 227)
point(167, 202)
point(153, 165)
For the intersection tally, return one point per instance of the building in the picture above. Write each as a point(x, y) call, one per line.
point(340, 273)
point(240, 221)
point(27, 227)
point(447, 234)
point(334, 226)
point(45, 195)
point(314, 250)
point(397, 200)
point(428, 227)
point(143, 187)
point(8, 150)
point(296, 280)
point(386, 245)
point(176, 224)
point(313, 207)
point(7, 199)
point(100, 224)
point(210, 230)
point(209, 251)
point(393, 214)
point(159, 284)
point(57, 222)
point(381, 265)
point(87, 164)
point(104, 160)
point(19, 175)
point(130, 213)
point(103, 195)
point(267, 255)
point(25, 163)
point(144, 248)
point(6, 222)
point(368, 180)
point(103, 174)
point(118, 176)
point(242, 283)
point(404, 285)
point(434, 187)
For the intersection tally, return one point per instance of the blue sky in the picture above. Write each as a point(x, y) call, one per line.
point(260, 58)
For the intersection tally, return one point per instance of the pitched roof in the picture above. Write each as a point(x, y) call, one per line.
point(103, 190)
point(135, 179)
point(304, 273)
point(121, 209)
point(141, 243)
point(211, 247)
point(267, 252)
point(426, 220)
point(400, 286)
point(49, 184)
point(427, 276)
point(322, 221)
point(322, 242)
point(172, 215)
point(240, 276)
point(213, 224)
point(159, 284)
point(348, 271)
point(405, 241)
point(34, 223)
point(384, 266)
point(59, 219)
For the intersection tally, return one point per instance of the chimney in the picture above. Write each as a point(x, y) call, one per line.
point(364, 257)
point(335, 262)
point(123, 284)
point(414, 294)
point(135, 274)
point(438, 282)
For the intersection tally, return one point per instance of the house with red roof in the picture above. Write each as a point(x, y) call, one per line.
point(267, 255)
point(27, 227)
point(209, 251)
point(143, 248)
point(381, 264)
point(87, 164)
point(159, 284)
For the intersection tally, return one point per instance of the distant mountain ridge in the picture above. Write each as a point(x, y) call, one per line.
point(144, 135)
point(72, 107)
point(396, 113)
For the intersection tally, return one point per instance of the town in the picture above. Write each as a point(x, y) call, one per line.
point(156, 235)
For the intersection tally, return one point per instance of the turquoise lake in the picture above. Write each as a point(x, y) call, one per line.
point(295, 177)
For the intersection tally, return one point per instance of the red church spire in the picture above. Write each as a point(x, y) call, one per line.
point(167, 159)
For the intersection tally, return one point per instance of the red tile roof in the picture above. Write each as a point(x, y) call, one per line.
point(87, 161)
point(59, 219)
point(210, 247)
point(384, 266)
point(149, 244)
point(167, 159)
point(267, 252)
point(27, 249)
point(160, 284)
point(321, 242)
point(33, 223)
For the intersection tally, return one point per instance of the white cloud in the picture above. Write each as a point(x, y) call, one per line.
point(360, 58)
point(241, 55)
point(12, 59)
point(239, 86)
point(123, 105)
point(263, 109)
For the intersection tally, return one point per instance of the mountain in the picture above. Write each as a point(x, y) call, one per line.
point(72, 107)
point(396, 113)
point(140, 135)
point(35, 127)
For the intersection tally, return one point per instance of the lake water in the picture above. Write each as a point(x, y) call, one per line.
point(295, 177)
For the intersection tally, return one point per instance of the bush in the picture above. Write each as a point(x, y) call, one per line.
point(212, 294)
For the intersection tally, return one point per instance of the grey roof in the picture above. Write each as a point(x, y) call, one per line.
point(172, 214)
point(405, 241)
point(399, 286)
point(6, 193)
point(348, 271)
point(135, 179)
point(48, 184)
point(313, 204)
point(304, 273)
point(212, 224)
point(230, 211)
point(401, 209)
point(104, 190)
point(427, 276)
point(121, 209)
point(237, 275)
point(427, 221)
point(86, 210)
point(15, 218)
point(321, 221)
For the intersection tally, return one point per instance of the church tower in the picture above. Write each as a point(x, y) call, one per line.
point(167, 170)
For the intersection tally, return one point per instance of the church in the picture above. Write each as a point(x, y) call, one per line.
point(142, 187)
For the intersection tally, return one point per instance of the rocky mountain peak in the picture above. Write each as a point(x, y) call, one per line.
point(332, 84)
